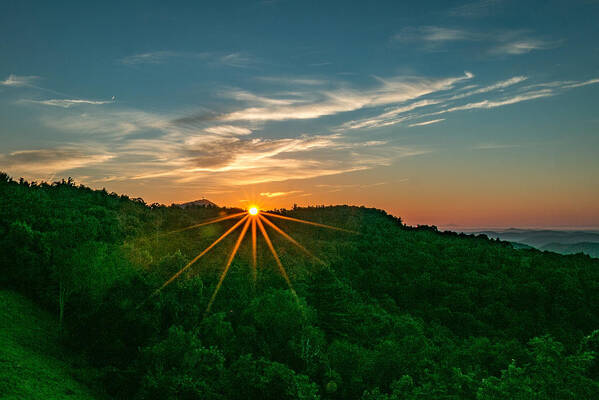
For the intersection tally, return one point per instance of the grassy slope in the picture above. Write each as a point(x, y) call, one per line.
point(33, 364)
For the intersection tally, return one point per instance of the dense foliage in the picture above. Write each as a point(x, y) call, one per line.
point(395, 312)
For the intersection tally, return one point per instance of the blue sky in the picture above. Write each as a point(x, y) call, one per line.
point(468, 113)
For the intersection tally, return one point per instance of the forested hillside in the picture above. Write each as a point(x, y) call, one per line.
point(393, 312)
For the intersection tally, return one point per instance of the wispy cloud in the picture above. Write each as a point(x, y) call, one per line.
point(109, 122)
point(500, 103)
point(293, 81)
point(245, 96)
point(242, 154)
point(523, 46)
point(513, 95)
point(397, 115)
point(218, 155)
point(330, 102)
point(279, 194)
point(400, 95)
point(320, 64)
point(228, 130)
point(405, 113)
point(227, 148)
point(391, 117)
point(580, 84)
point(238, 161)
point(67, 103)
point(506, 42)
point(155, 57)
point(475, 9)
point(434, 121)
point(436, 34)
point(17, 81)
point(51, 161)
point(496, 86)
point(235, 59)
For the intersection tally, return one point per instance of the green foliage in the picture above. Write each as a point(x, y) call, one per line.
point(396, 312)
point(33, 363)
point(179, 367)
point(268, 380)
point(551, 374)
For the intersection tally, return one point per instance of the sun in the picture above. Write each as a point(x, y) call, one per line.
point(253, 210)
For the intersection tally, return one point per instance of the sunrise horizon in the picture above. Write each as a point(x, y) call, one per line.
point(473, 114)
point(285, 200)
point(299, 200)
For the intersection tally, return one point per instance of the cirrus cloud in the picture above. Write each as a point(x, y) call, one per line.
point(330, 102)
point(51, 161)
point(67, 103)
point(17, 81)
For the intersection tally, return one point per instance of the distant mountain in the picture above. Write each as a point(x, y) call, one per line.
point(563, 242)
point(197, 203)
point(590, 248)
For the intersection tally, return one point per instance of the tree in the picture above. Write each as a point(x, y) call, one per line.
point(179, 367)
point(551, 374)
point(267, 380)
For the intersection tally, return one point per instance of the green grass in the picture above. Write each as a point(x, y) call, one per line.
point(33, 363)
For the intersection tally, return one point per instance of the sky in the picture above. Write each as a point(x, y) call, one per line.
point(449, 113)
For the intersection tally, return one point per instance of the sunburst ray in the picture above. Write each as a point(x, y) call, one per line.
point(254, 252)
point(307, 222)
point(229, 261)
point(189, 264)
point(276, 257)
point(288, 237)
point(254, 217)
point(209, 222)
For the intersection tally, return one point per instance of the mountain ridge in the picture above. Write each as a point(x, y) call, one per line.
point(196, 203)
point(564, 241)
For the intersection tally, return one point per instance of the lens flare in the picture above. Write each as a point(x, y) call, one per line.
point(251, 218)
point(292, 240)
point(277, 259)
point(229, 261)
point(254, 252)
